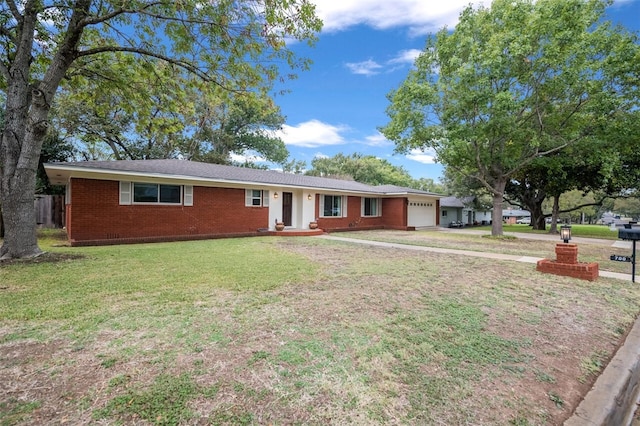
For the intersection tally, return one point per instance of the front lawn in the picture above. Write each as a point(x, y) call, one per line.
point(577, 230)
point(297, 331)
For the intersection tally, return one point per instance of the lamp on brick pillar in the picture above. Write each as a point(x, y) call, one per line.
point(566, 262)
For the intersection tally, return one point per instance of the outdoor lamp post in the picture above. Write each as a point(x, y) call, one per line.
point(565, 233)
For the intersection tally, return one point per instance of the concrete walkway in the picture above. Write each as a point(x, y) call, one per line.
point(486, 255)
point(614, 397)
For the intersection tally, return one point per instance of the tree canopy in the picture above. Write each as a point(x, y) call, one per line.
point(237, 46)
point(514, 82)
point(368, 169)
point(152, 110)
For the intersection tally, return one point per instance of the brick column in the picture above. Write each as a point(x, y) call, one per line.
point(567, 253)
point(567, 264)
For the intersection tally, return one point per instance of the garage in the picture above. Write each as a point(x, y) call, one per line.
point(421, 213)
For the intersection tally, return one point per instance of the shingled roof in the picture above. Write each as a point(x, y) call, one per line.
point(184, 169)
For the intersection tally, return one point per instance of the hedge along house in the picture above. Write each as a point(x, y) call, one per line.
point(115, 202)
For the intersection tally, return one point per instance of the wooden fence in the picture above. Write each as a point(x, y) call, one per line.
point(49, 211)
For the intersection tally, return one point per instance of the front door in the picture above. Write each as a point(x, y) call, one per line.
point(287, 206)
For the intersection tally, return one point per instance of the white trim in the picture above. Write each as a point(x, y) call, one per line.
point(378, 206)
point(67, 193)
point(249, 196)
point(126, 197)
point(343, 205)
point(188, 195)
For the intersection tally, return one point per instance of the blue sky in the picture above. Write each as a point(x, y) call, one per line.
point(364, 51)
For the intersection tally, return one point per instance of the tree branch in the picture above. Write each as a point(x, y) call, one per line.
point(14, 9)
point(144, 52)
point(100, 19)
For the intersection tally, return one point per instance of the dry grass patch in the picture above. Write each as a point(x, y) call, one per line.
point(348, 334)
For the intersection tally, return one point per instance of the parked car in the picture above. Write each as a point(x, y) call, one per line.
point(524, 221)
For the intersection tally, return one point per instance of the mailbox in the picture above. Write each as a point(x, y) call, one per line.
point(628, 233)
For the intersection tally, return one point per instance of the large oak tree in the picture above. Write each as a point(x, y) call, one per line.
point(513, 82)
point(237, 45)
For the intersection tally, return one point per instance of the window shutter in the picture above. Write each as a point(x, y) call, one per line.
point(321, 207)
point(188, 195)
point(67, 193)
point(248, 197)
point(265, 198)
point(344, 206)
point(379, 206)
point(125, 193)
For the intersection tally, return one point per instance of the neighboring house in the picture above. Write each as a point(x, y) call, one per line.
point(511, 216)
point(112, 202)
point(460, 210)
point(451, 211)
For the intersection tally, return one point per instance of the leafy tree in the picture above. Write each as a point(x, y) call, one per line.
point(361, 168)
point(54, 148)
point(126, 108)
point(368, 169)
point(235, 45)
point(242, 125)
point(152, 110)
point(605, 166)
point(297, 167)
point(512, 83)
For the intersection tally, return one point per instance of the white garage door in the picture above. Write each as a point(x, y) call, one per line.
point(421, 213)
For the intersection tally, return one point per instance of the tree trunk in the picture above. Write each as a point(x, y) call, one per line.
point(554, 215)
point(496, 214)
point(25, 126)
point(537, 218)
point(21, 144)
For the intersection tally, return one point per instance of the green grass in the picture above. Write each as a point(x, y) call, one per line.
point(163, 276)
point(297, 331)
point(586, 231)
point(13, 412)
point(162, 403)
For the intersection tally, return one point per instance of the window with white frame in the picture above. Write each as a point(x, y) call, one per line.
point(371, 207)
point(155, 193)
point(256, 198)
point(333, 206)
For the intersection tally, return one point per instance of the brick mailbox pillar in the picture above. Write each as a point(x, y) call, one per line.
point(567, 253)
point(567, 264)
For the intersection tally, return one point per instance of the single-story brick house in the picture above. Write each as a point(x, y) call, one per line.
point(113, 202)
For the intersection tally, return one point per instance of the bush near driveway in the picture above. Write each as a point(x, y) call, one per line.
point(299, 330)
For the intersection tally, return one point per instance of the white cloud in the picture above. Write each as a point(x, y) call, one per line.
point(377, 140)
point(406, 56)
point(311, 134)
point(247, 157)
point(428, 157)
point(368, 67)
point(371, 67)
point(421, 16)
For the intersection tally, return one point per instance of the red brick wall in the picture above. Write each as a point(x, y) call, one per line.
point(95, 215)
point(394, 216)
point(395, 212)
